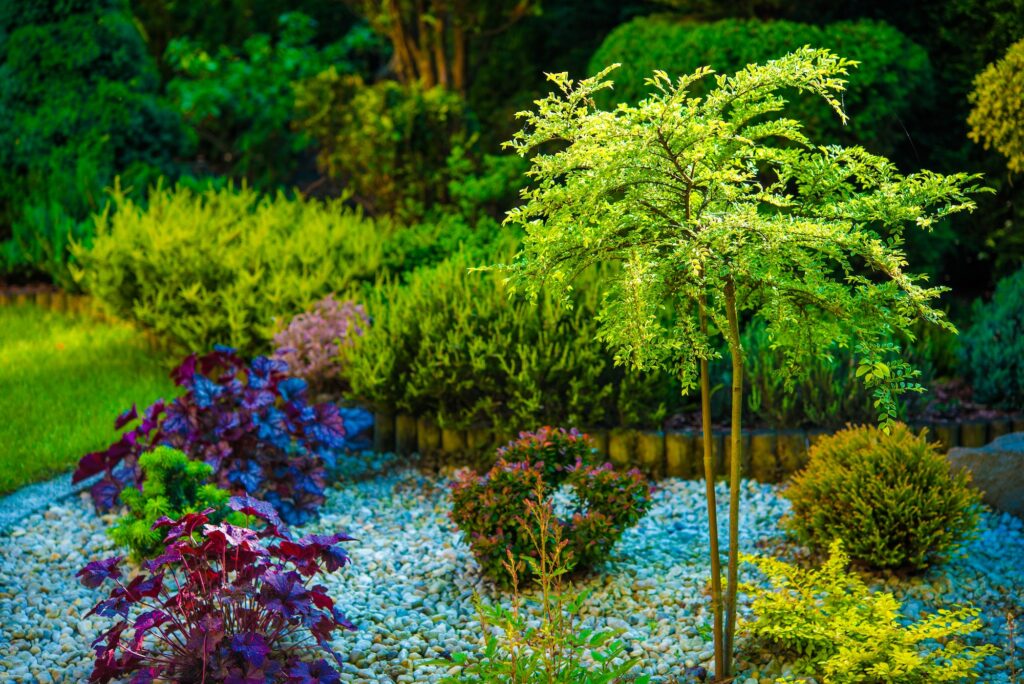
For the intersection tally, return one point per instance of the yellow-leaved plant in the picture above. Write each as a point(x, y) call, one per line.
point(835, 628)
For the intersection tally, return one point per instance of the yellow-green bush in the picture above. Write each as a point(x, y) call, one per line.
point(997, 117)
point(833, 627)
point(889, 497)
point(450, 345)
point(217, 267)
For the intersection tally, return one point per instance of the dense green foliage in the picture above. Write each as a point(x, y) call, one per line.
point(889, 497)
point(63, 379)
point(450, 346)
point(992, 348)
point(240, 104)
point(893, 81)
point(174, 485)
point(78, 104)
point(388, 143)
point(998, 107)
point(489, 510)
point(832, 626)
point(217, 267)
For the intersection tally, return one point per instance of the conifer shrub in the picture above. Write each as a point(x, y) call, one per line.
point(218, 266)
point(173, 486)
point(992, 348)
point(450, 346)
point(314, 343)
point(489, 509)
point(889, 497)
point(828, 624)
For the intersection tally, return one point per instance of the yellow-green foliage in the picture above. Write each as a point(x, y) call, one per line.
point(216, 267)
point(997, 119)
point(836, 629)
point(174, 486)
point(889, 497)
point(451, 346)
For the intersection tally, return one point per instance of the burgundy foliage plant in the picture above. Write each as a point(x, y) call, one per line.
point(221, 604)
point(250, 422)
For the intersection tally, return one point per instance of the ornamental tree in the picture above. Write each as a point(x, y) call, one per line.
point(718, 209)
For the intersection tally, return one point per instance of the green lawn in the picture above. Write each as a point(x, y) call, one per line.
point(63, 381)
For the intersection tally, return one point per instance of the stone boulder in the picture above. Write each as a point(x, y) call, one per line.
point(997, 469)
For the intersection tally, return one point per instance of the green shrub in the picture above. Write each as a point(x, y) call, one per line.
point(240, 103)
point(894, 76)
point(388, 143)
point(449, 345)
point(217, 267)
point(78, 104)
point(557, 450)
point(489, 512)
point(833, 627)
point(998, 107)
point(174, 485)
point(889, 497)
point(992, 348)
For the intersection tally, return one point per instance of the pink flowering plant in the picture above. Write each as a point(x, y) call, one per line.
point(314, 342)
point(221, 603)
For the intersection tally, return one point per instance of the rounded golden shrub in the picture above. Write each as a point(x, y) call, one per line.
point(997, 116)
point(890, 498)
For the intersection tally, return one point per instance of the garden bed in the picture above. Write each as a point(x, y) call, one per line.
point(411, 585)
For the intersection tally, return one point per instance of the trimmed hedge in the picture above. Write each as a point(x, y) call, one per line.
point(893, 81)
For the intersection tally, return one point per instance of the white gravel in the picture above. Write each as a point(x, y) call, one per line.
point(411, 585)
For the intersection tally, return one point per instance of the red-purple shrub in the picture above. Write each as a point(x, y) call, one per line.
point(251, 423)
point(489, 508)
point(221, 604)
point(314, 342)
point(556, 448)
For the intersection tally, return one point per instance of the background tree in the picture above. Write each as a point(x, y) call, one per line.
point(717, 209)
point(431, 38)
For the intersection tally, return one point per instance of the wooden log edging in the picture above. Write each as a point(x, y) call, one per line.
point(769, 455)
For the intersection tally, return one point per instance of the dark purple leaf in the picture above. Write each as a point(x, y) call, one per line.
point(97, 572)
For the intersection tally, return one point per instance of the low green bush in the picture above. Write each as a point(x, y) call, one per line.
point(893, 82)
point(387, 143)
point(218, 266)
point(489, 511)
point(450, 345)
point(992, 348)
point(831, 626)
point(889, 497)
point(174, 485)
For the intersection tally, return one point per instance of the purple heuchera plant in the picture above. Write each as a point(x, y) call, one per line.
point(251, 423)
point(313, 342)
point(221, 604)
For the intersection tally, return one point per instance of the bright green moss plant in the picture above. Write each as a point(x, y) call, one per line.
point(835, 628)
point(715, 206)
point(174, 486)
point(217, 266)
point(889, 496)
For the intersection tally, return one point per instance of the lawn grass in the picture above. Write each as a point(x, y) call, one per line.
point(63, 381)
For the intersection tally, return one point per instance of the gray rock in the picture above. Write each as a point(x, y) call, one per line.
point(997, 469)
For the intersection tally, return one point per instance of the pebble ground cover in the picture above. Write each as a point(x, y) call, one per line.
point(63, 378)
point(411, 584)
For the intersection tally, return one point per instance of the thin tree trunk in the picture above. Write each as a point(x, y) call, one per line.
point(735, 461)
point(460, 69)
point(709, 479)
